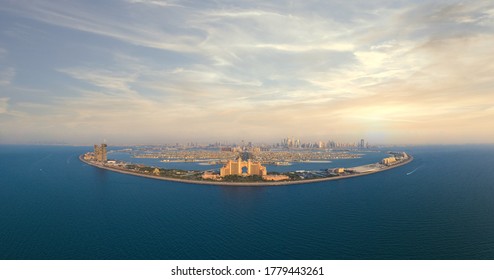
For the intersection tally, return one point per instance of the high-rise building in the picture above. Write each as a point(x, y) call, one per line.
point(97, 152)
point(321, 145)
point(103, 153)
point(235, 167)
point(100, 153)
point(290, 142)
point(362, 143)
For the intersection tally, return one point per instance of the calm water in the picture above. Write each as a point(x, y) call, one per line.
point(52, 206)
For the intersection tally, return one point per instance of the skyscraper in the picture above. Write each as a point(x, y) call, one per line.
point(103, 153)
point(100, 153)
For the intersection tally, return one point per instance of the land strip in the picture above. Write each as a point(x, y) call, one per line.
point(245, 184)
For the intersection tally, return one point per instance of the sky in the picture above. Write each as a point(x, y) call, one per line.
point(166, 71)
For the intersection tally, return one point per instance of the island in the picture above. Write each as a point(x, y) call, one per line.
point(241, 172)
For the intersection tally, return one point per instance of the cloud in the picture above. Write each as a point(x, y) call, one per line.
point(103, 22)
point(4, 104)
point(161, 3)
point(263, 69)
point(112, 80)
point(6, 76)
point(307, 48)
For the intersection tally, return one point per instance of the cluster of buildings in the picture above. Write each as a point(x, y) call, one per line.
point(396, 158)
point(272, 157)
point(291, 143)
point(254, 167)
point(99, 154)
point(244, 168)
point(187, 155)
point(243, 146)
point(240, 167)
point(295, 143)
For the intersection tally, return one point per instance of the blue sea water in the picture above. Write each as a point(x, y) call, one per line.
point(52, 206)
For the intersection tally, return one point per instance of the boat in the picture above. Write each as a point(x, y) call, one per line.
point(411, 172)
point(282, 163)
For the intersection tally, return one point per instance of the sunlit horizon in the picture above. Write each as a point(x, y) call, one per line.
point(159, 72)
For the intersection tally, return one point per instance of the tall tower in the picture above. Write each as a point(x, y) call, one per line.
point(362, 143)
point(97, 153)
point(103, 152)
point(100, 153)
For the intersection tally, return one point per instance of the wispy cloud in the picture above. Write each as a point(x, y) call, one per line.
point(161, 3)
point(260, 68)
point(3, 104)
point(6, 76)
point(89, 19)
point(112, 80)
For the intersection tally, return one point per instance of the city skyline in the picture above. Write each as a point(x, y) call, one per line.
point(154, 72)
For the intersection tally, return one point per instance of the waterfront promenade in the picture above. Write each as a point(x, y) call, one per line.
point(239, 184)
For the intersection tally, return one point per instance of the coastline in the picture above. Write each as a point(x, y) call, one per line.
point(245, 184)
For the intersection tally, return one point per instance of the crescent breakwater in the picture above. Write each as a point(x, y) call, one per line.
point(245, 184)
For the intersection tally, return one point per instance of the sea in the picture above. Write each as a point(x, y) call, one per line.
point(440, 206)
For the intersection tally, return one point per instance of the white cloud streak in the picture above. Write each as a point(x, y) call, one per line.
point(160, 3)
point(6, 76)
point(78, 17)
point(239, 67)
point(4, 104)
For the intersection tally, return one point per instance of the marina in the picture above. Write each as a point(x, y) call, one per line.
point(290, 178)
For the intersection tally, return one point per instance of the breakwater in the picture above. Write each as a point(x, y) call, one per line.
point(239, 184)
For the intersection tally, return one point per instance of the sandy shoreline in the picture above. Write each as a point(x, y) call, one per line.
point(243, 184)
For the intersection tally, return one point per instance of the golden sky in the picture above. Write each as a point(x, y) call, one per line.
point(150, 71)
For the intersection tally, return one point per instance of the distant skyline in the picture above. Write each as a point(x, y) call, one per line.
point(156, 72)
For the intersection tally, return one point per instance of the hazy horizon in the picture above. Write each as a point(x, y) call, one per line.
point(160, 72)
point(231, 143)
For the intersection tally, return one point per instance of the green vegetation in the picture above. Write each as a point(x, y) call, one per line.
point(197, 175)
point(171, 173)
point(237, 178)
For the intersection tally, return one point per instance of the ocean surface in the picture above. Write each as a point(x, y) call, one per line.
point(52, 206)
